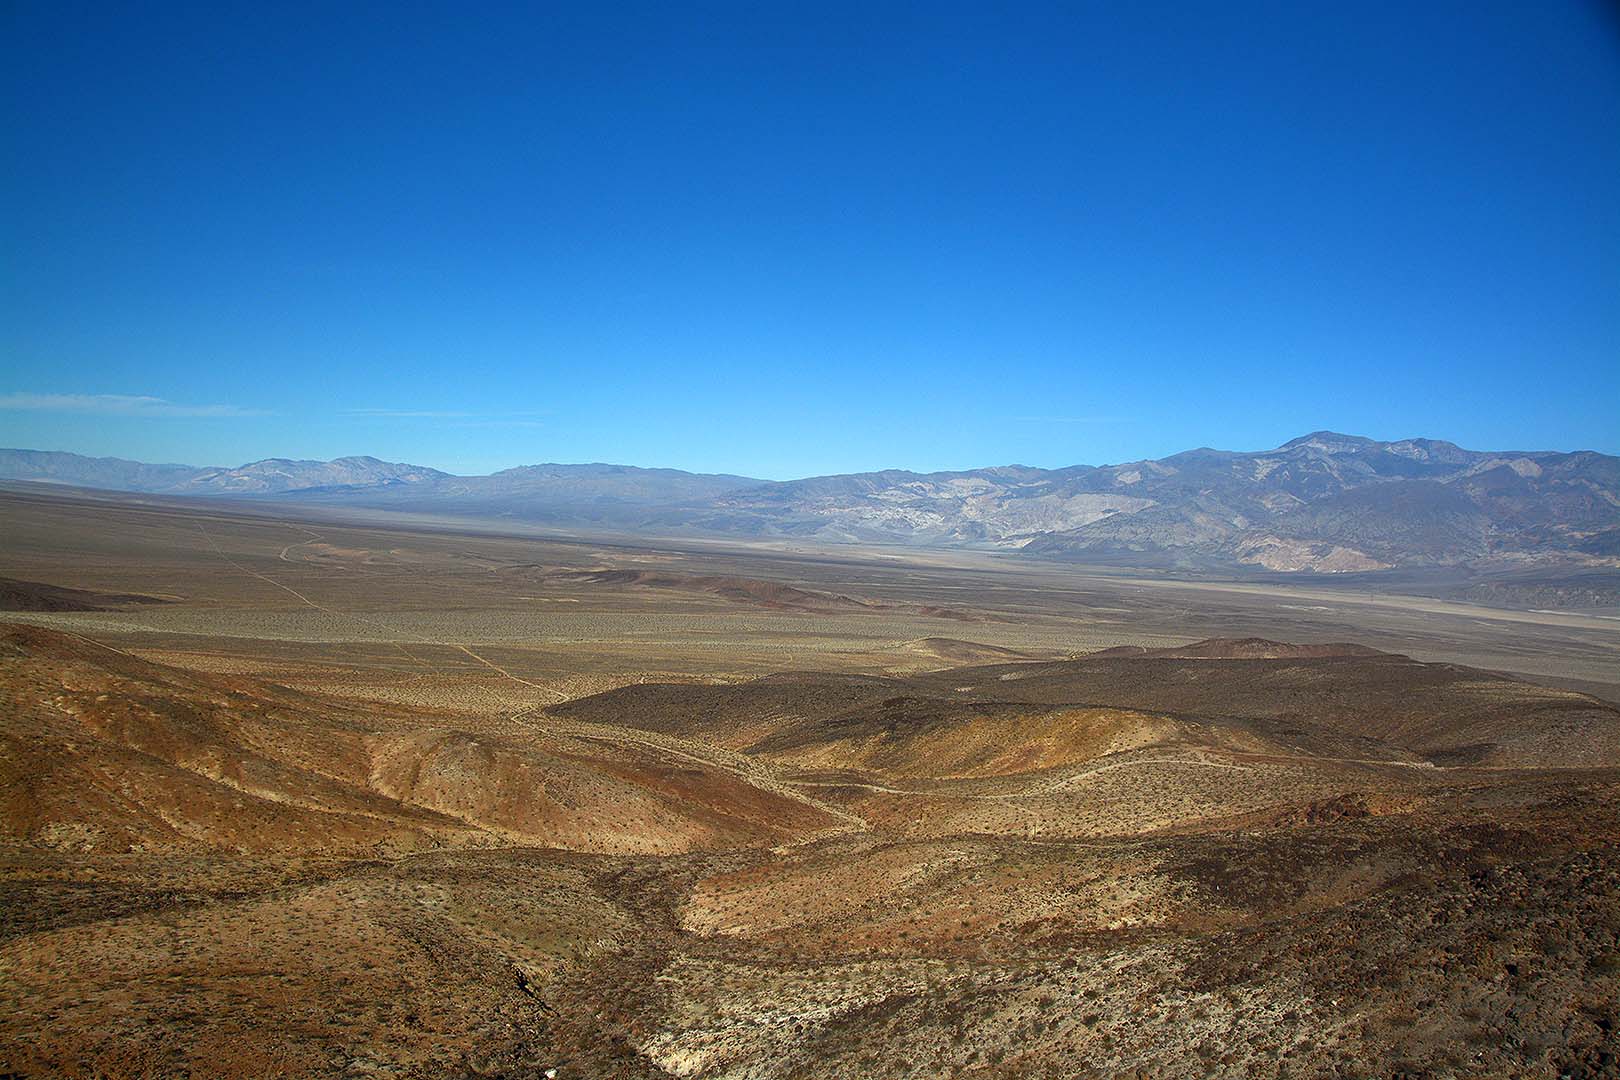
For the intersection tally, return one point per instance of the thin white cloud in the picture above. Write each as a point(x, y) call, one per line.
point(116, 405)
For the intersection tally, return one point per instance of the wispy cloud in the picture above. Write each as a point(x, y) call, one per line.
point(116, 405)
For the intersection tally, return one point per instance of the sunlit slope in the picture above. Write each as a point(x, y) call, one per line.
point(928, 737)
point(1243, 696)
point(104, 750)
point(1444, 713)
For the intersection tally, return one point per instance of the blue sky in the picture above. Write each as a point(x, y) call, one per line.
point(794, 239)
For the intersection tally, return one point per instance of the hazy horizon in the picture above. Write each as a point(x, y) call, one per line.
point(781, 479)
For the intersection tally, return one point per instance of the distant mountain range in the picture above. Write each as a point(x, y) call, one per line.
point(1323, 502)
point(272, 476)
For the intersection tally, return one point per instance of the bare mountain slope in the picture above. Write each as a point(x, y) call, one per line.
point(1444, 713)
point(105, 751)
point(1338, 700)
point(1331, 502)
point(984, 871)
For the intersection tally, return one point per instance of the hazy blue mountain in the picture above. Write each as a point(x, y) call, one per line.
point(620, 496)
point(268, 477)
point(108, 473)
point(1322, 502)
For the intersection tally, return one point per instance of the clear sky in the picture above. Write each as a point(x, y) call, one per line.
point(788, 239)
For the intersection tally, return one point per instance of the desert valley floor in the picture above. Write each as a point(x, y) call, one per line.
point(286, 794)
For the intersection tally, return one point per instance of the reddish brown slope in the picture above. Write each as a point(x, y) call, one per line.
point(105, 750)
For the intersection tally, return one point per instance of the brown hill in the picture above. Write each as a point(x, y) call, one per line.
point(927, 737)
point(957, 652)
point(731, 716)
point(1448, 714)
point(1343, 701)
point(37, 596)
point(1235, 649)
point(105, 750)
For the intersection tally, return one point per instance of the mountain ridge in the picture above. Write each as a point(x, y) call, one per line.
point(1323, 502)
